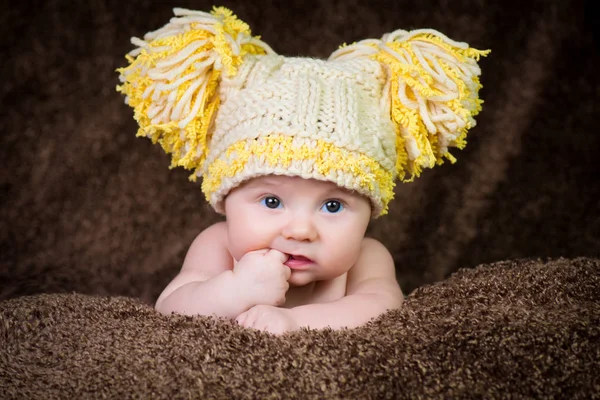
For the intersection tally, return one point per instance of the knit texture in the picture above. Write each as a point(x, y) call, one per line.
point(303, 117)
point(376, 110)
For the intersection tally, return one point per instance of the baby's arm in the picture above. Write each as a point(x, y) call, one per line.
point(205, 283)
point(208, 284)
point(371, 290)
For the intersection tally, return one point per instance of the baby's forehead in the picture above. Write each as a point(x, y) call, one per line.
point(295, 183)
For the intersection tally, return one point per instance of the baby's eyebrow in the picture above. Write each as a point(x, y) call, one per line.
point(338, 192)
point(270, 182)
point(257, 183)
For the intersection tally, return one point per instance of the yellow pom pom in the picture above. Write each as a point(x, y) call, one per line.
point(173, 78)
point(434, 86)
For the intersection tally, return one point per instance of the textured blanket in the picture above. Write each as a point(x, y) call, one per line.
point(93, 224)
point(527, 329)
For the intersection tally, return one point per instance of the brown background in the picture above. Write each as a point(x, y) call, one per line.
point(87, 207)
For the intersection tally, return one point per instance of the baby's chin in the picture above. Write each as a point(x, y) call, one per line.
point(303, 278)
point(298, 281)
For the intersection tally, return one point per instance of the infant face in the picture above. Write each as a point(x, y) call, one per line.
point(317, 224)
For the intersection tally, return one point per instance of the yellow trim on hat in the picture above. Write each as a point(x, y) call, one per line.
point(327, 161)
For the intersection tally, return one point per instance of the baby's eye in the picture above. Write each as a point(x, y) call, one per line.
point(332, 206)
point(271, 202)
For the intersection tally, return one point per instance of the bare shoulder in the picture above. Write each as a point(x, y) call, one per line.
point(374, 246)
point(209, 249)
point(375, 272)
point(374, 261)
point(216, 233)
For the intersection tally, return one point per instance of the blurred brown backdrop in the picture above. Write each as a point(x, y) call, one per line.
point(87, 207)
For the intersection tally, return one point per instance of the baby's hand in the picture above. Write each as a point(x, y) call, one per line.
point(268, 318)
point(262, 277)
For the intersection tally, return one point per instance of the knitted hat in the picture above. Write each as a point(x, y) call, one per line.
point(223, 104)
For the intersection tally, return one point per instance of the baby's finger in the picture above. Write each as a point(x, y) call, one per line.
point(261, 326)
point(277, 255)
point(261, 252)
point(246, 319)
point(288, 272)
point(249, 319)
point(241, 319)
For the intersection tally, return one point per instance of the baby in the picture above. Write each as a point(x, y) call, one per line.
point(298, 154)
point(291, 253)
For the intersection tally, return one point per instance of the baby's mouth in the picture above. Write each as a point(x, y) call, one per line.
point(298, 262)
point(299, 258)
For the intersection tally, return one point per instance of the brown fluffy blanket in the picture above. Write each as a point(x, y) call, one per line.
point(528, 329)
point(93, 224)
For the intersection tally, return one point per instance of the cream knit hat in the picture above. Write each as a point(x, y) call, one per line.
point(225, 105)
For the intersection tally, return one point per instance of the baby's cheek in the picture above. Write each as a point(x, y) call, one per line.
point(351, 255)
point(341, 262)
point(239, 249)
point(239, 245)
point(236, 245)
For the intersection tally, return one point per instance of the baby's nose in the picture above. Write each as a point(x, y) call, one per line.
point(300, 228)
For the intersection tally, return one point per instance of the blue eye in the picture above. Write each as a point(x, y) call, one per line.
point(271, 202)
point(332, 206)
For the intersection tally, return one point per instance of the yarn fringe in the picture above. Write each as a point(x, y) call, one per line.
point(434, 88)
point(173, 78)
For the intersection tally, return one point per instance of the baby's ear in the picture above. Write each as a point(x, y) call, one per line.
point(432, 93)
point(173, 78)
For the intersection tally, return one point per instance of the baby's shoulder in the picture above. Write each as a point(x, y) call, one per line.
point(209, 250)
point(217, 229)
point(215, 234)
point(373, 257)
point(372, 246)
